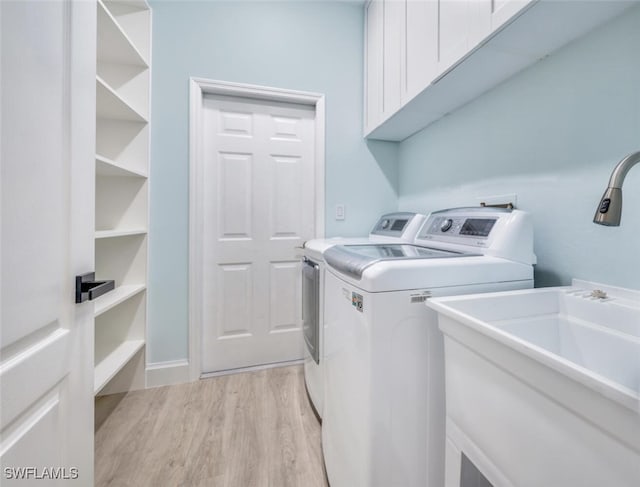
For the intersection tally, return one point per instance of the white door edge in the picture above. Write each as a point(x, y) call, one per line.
point(48, 150)
point(198, 87)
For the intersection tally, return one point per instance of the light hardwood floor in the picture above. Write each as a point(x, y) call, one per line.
point(243, 430)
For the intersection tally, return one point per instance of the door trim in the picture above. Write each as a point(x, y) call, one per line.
point(198, 88)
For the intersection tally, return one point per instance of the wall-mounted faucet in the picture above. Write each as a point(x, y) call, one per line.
point(610, 208)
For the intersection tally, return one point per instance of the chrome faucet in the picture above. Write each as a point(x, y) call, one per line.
point(610, 208)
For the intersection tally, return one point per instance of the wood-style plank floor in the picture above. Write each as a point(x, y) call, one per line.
point(251, 429)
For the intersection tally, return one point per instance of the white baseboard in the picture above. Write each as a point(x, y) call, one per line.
point(168, 373)
point(254, 368)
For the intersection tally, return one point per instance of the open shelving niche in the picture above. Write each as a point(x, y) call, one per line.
point(122, 192)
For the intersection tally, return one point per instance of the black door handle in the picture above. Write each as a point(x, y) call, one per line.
point(88, 289)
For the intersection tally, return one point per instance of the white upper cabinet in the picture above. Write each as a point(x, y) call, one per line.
point(408, 43)
point(426, 58)
point(419, 51)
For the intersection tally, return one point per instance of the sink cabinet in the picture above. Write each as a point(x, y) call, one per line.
point(543, 385)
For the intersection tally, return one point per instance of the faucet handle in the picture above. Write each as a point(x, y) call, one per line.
point(598, 294)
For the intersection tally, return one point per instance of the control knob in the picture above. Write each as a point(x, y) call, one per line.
point(446, 225)
point(384, 224)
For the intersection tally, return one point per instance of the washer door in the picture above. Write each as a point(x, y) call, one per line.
point(311, 307)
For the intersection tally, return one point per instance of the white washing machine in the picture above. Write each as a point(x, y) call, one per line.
point(384, 405)
point(392, 227)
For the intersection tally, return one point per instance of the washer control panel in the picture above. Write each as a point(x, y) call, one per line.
point(499, 232)
point(459, 226)
point(463, 226)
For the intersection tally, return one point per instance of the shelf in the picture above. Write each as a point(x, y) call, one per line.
point(110, 105)
point(114, 362)
point(122, 192)
point(122, 259)
point(115, 297)
point(121, 207)
point(114, 45)
point(119, 233)
point(124, 143)
point(111, 168)
point(134, 18)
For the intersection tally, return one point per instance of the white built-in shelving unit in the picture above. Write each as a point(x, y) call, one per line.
point(122, 188)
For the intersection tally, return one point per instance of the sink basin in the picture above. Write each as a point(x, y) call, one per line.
point(596, 341)
point(544, 377)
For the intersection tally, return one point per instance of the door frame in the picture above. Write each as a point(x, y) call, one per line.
point(198, 88)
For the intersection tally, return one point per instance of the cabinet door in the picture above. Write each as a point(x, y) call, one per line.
point(393, 24)
point(504, 10)
point(419, 57)
point(462, 24)
point(373, 64)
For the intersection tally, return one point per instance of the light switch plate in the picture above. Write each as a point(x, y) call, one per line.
point(340, 212)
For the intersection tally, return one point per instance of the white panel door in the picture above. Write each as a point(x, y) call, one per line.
point(259, 193)
point(47, 180)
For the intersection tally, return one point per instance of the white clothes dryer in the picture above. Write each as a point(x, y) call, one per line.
point(384, 405)
point(390, 228)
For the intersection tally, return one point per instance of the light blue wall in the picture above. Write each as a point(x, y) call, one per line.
point(552, 135)
point(306, 45)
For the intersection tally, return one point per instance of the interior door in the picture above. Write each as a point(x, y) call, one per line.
point(259, 193)
point(47, 85)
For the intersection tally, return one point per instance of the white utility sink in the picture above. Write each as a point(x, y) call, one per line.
point(543, 385)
